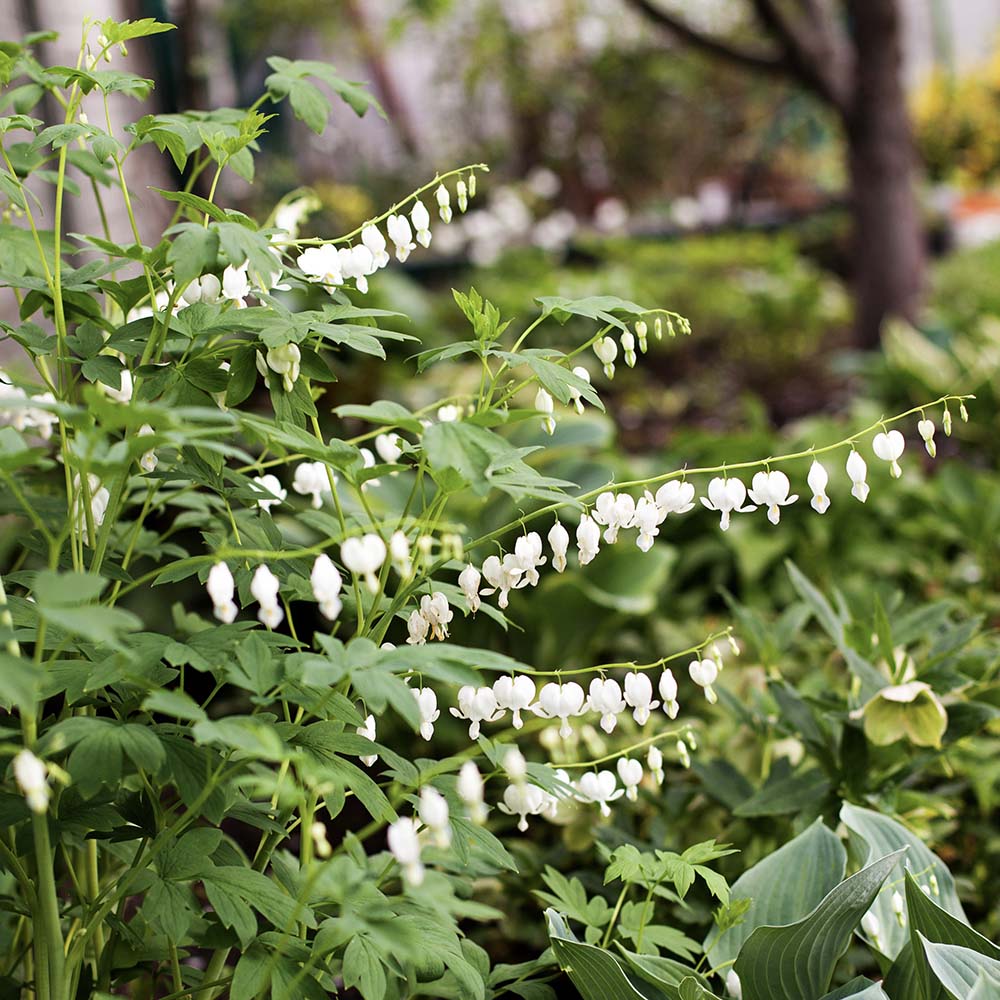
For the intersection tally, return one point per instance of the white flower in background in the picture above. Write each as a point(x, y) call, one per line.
point(642, 333)
point(682, 753)
point(668, 692)
point(946, 421)
point(399, 553)
point(401, 236)
point(388, 447)
point(817, 480)
point(434, 608)
point(574, 393)
point(654, 761)
point(31, 776)
point(264, 590)
point(206, 289)
point(100, 497)
point(871, 926)
point(371, 237)
point(427, 706)
point(461, 195)
point(433, 812)
point(443, 200)
point(221, 587)
point(588, 539)
point(559, 541)
point(271, 486)
point(515, 765)
point(326, 583)
point(733, 986)
point(148, 460)
point(560, 701)
point(357, 263)
point(606, 350)
point(605, 698)
point(236, 284)
point(528, 553)
point(647, 518)
point(421, 220)
point(364, 557)
point(770, 490)
point(452, 546)
point(469, 580)
point(856, 472)
point(285, 361)
point(368, 732)
point(545, 406)
point(599, 787)
point(630, 774)
point(417, 626)
point(469, 788)
point(368, 462)
point(476, 705)
point(925, 428)
point(628, 348)
point(889, 447)
point(425, 545)
point(522, 800)
point(123, 394)
point(726, 496)
point(322, 264)
point(321, 845)
point(615, 512)
point(503, 576)
point(639, 695)
point(897, 908)
point(312, 479)
point(675, 497)
point(404, 846)
point(448, 414)
point(288, 217)
point(514, 694)
point(704, 673)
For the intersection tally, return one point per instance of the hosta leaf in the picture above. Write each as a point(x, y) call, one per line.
point(784, 887)
point(961, 970)
point(798, 960)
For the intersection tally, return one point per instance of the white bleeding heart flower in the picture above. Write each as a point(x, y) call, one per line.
point(371, 237)
point(615, 511)
point(668, 692)
point(889, 447)
point(704, 674)
point(470, 790)
point(588, 539)
point(427, 706)
point(503, 576)
point(546, 407)
point(606, 350)
point(630, 774)
point(599, 788)
point(285, 361)
point(221, 589)
point(469, 580)
point(417, 627)
point(443, 199)
point(364, 557)
point(368, 732)
point(856, 472)
point(271, 486)
point(522, 799)
point(401, 236)
point(435, 609)
point(770, 490)
point(433, 812)
point(264, 589)
point(312, 479)
point(726, 496)
point(421, 220)
point(575, 395)
point(404, 846)
point(32, 778)
point(817, 480)
point(389, 447)
point(925, 428)
point(514, 694)
point(558, 538)
point(326, 583)
point(605, 698)
point(647, 518)
point(675, 497)
point(476, 705)
point(528, 553)
point(639, 695)
point(654, 761)
point(322, 265)
point(561, 701)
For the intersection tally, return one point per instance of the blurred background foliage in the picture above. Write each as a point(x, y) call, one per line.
point(663, 175)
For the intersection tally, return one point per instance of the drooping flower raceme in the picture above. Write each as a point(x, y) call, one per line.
point(364, 556)
point(561, 701)
point(889, 447)
point(427, 707)
point(221, 588)
point(326, 584)
point(770, 490)
point(630, 774)
point(404, 846)
point(599, 788)
point(726, 496)
point(31, 776)
point(639, 695)
point(264, 588)
point(368, 732)
point(817, 480)
point(856, 472)
point(605, 698)
point(514, 694)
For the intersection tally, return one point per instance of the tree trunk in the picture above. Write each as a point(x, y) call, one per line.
point(889, 252)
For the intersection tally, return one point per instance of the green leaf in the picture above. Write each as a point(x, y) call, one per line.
point(785, 886)
point(232, 885)
point(798, 960)
point(198, 205)
point(363, 968)
point(858, 989)
point(174, 703)
point(789, 794)
point(193, 252)
point(596, 307)
point(595, 972)
point(666, 974)
point(961, 970)
point(876, 835)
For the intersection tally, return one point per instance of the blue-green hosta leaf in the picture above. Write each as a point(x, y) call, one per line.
point(595, 972)
point(784, 887)
point(986, 988)
point(665, 973)
point(858, 989)
point(961, 970)
point(798, 960)
point(876, 835)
